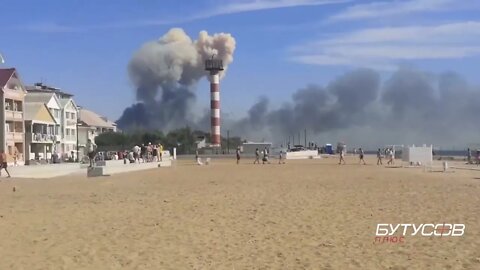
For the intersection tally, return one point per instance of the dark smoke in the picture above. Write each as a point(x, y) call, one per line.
point(407, 107)
point(165, 73)
point(410, 107)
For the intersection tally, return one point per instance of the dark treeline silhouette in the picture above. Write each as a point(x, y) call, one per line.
point(184, 139)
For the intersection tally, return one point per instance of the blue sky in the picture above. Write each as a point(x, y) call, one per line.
point(85, 46)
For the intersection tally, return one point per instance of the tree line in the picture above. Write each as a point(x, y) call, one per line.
point(184, 139)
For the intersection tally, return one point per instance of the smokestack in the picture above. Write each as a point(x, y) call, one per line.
point(214, 66)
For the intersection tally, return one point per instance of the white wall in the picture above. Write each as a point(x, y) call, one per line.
point(413, 154)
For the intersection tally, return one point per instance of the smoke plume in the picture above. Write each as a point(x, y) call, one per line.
point(409, 107)
point(165, 72)
point(360, 107)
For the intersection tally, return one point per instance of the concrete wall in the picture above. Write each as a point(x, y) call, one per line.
point(302, 154)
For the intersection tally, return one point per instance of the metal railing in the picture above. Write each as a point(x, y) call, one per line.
point(40, 137)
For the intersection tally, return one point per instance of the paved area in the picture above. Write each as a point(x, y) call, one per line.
point(56, 170)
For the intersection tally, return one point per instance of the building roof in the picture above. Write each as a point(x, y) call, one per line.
point(5, 75)
point(92, 119)
point(39, 97)
point(31, 111)
point(41, 88)
point(64, 102)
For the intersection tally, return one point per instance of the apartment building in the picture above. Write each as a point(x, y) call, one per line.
point(64, 110)
point(12, 132)
point(41, 133)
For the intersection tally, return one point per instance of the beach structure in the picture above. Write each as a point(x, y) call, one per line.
point(416, 155)
point(41, 135)
point(90, 125)
point(12, 132)
point(64, 110)
point(214, 66)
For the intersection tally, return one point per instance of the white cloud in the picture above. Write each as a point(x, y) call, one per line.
point(387, 47)
point(254, 5)
point(51, 28)
point(231, 7)
point(400, 7)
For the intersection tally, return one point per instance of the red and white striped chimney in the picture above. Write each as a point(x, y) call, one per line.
point(215, 66)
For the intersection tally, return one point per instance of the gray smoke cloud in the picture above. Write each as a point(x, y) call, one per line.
point(360, 107)
point(165, 72)
point(409, 107)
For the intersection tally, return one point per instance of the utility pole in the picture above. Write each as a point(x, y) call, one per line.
point(299, 138)
point(305, 137)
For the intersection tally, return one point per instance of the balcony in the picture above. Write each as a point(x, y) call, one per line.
point(13, 115)
point(43, 138)
point(14, 136)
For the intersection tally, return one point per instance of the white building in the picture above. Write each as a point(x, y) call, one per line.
point(40, 133)
point(65, 112)
point(69, 119)
point(90, 126)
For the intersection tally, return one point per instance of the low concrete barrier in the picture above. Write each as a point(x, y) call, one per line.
point(303, 154)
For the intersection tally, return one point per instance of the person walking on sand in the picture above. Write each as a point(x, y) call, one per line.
point(469, 156)
point(257, 156)
point(379, 157)
point(361, 155)
point(342, 157)
point(237, 152)
point(265, 156)
point(3, 163)
point(91, 152)
point(391, 156)
point(281, 160)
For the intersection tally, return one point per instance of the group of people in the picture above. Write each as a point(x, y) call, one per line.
point(264, 154)
point(144, 153)
point(388, 153)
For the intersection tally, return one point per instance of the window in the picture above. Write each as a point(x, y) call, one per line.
point(57, 113)
point(68, 132)
point(67, 115)
point(73, 132)
point(73, 116)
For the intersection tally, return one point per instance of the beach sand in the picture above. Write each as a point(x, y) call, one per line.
point(310, 214)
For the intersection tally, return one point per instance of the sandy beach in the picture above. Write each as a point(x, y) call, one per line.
point(311, 214)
